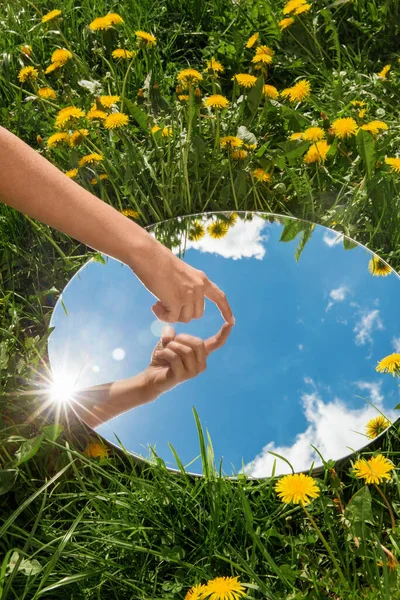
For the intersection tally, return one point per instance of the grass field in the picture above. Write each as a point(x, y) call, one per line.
point(307, 126)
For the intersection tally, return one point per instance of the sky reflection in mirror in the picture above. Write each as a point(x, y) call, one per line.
point(298, 368)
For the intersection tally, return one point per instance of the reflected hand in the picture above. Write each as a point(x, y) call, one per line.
point(177, 358)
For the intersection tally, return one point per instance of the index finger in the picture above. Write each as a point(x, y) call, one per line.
point(213, 293)
point(219, 339)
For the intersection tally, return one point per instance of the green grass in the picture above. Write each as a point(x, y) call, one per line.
point(114, 528)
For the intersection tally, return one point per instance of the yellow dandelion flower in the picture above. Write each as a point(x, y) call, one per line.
point(375, 470)
point(116, 120)
point(375, 127)
point(345, 127)
point(72, 173)
point(389, 364)
point(96, 450)
point(286, 92)
point(216, 101)
point(245, 80)
point(394, 163)
point(121, 53)
point(313, 134)
point(155, 128)
point(298, 135)
point(114, 19)
point(167, 132)
point(284, 23)
point(197, 231)
point(26, 49)
point(376, 426)
point(108, 101)
point(77, 137)
point(391, 563)
point(263, 54)
point(53, 14)
point(102, 176)
point(361, 113)
point(183, 97)
point(378, 268)
point(90, 158)
point(146, 38)
point(231, 219)
point(189, 76)
point(196, 592)
point(317, 152)
point(262, 175)
point(239, 154)
point(218, 229)
point(302, 9)
point(382, 74)
point(57, 138)
point(297, 489)
point(224, 588)
point(129, 212)
point(292, 5)
point(46, 92)
point(252, 40)
point(359, 103)
point(99, 24)
point(28, 74)
point(61, 55)
point(68, 114)
point(300, 91)
point(250, 146)
point(215, 66)
point(231, 141)
point(53, 67)
point(270, 91)
point(95, 113)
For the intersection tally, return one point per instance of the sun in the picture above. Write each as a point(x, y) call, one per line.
point(62, 388)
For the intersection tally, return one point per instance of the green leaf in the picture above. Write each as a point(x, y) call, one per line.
point(52, 432)
point(397, 407)
point(348, 244)
point(3, 356)
point(28, 449)
point(304, 239)
point(359, 512)
point(294, 149)
point(291, 230)
point(366, 149)
point(7, 479)
point(98, 257)
point(255, 95)
point(137, 113)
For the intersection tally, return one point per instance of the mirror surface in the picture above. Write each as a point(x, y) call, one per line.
point(298, 368)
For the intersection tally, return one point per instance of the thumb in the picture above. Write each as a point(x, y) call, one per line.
point(167, 335)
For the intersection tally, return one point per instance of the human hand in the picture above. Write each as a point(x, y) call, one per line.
point(181, 289)
point(177, 358)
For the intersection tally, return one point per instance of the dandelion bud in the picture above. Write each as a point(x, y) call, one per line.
point(197, 95)
point(179, 89)
point(323, 115)
point(140, 96)
point(40, 141)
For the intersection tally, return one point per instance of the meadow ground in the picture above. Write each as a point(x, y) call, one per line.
point(165, 109)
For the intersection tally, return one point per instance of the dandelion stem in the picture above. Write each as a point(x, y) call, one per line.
point(49, 239)
point(325, 543)
point(232, 183)
point(388, 506)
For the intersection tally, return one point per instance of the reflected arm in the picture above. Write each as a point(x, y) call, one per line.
point(100, 403)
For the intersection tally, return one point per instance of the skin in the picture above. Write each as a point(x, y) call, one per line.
point(33, 186)
point(175, 359)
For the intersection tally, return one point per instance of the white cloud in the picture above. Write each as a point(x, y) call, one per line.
point(369, 322)
point(396, 344)
point(331, 239)
point(243, 240)
point(333, 428)
point(337, 295)
point(300, 346)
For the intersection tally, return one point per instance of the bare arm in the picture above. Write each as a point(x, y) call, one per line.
point(31, 184)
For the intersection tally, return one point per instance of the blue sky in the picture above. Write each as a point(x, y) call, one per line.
point(308, 336)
